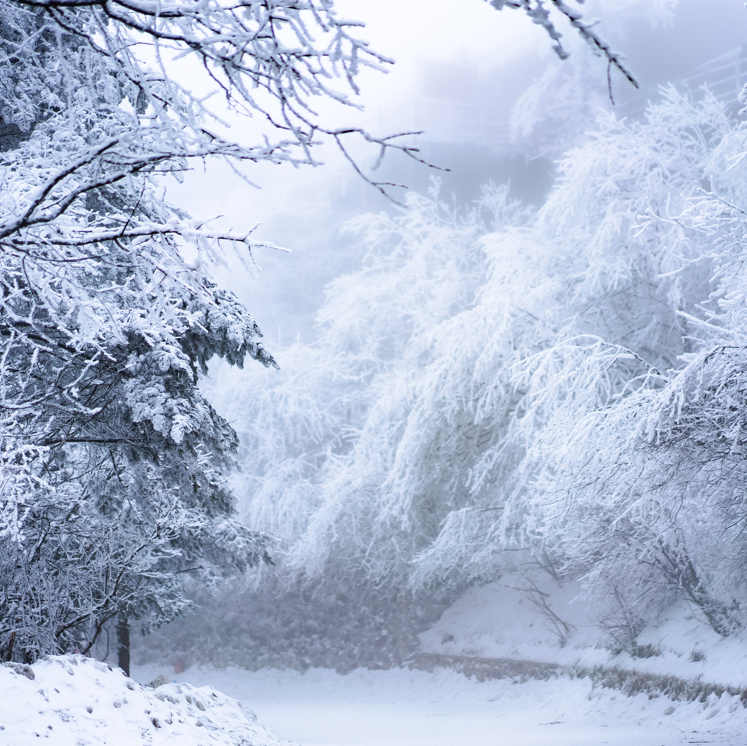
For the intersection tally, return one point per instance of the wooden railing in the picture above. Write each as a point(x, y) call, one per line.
point(724, 76)
point(475, 122)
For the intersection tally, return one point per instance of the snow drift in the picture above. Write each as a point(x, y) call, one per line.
point(76, 701)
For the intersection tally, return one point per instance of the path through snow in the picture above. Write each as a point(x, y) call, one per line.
point(415, 708)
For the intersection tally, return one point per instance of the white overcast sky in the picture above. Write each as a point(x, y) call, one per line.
point(505, 44)
point(408, 31)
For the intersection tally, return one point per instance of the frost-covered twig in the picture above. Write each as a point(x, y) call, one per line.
point(539, 14)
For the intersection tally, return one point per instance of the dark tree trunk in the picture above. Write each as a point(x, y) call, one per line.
point(123, 642)
point(8, 652)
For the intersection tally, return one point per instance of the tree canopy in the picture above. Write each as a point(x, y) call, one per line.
point(112, 462)
point(499, 388)
point(113, 486)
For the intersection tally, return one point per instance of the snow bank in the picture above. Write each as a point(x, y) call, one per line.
point(550, 624)
point(75, 701)
point(502, 620)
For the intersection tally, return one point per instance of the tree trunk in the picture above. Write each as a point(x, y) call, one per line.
point(123, 641)
point(8, 652)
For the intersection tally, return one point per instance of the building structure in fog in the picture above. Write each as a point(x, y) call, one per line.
point(724, 76)
point(468, 131)
point(467, 128)
point(463, 119)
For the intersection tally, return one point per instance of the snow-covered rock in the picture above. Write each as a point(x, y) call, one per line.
point(71, 700)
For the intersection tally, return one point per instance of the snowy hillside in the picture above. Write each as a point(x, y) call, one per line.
point(549, 623)
point(75, 701)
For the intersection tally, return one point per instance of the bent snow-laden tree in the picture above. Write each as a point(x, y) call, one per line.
point(565, 389)
point(111, 490)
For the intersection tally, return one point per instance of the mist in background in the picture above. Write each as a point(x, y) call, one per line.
point(459, 71)
point(494, 104)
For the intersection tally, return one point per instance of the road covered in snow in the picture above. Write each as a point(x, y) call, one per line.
point(400, 707)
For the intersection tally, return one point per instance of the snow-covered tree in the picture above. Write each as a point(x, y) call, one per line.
point(323, 473)
point(562, 389)
point(603, 331)
point(628, 269)
point(111, 460)
point(537, 11)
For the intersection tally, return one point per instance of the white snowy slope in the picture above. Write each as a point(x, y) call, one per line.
point(552, 624)
point(75, 701)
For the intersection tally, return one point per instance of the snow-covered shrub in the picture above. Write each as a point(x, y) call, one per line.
point(334, 624)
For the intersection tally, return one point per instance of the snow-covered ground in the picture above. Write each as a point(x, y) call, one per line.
point(400, 707)
point(75, 701)
point(85, 702)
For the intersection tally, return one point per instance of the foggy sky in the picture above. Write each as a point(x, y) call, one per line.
point(507, 51)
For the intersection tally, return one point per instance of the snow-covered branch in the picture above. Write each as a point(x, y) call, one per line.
point(540, 15)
